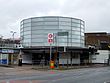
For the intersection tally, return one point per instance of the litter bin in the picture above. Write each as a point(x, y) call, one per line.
point(20, 62)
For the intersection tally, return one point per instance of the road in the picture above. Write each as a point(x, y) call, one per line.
point(85, 75)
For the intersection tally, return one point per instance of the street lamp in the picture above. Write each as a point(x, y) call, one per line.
point(12, 57)
point(13, 33)
point(1, 40)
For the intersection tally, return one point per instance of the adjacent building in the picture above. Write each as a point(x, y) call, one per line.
point(9, 51)
point(101, 41)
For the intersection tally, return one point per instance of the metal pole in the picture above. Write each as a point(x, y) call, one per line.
point(12, 46)
point(50, 51)
point(109, 58)
point(67, 52)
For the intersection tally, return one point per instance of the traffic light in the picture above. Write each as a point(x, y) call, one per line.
point(91, 50)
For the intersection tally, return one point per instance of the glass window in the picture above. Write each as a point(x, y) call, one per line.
point(27, 40)
point(27, 28)
point(50, 19)
point(21, 33)
point(76, 32)
point(82, 26)
point(37, 40)
point(62, 39)
point(75, 24)
point(82, 30)
point(50, 23)
point(82, 34)
point(21, 23)
point(65, 27)
point(82, 37)
point(76, 28)
point(37, 19)
point(27, 25)
point(76, 20)
point(82, 22)
point(62, 44)
point(27, 36)
point(76, 40)
point(27, 21)
point(37, 23)
point(76, 44)
point(27, 32)
point(75, 36)
point(44, 31)
point(38, 36)
point(21, 26)
point(37, 44)
point(26, 44)
point(65, 19)
point(37, 27)
point(21, 29)
point(50, 27)
point(65, 23)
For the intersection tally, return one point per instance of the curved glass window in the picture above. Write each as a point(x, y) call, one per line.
point(27, 21)
point(76, 20)
point(50, 27)
point(75, 25)
point(34, 31)
point(65, 23)
point(65, 19)
point(27, 32)
point(50, 23)
point(27, 36)
point(36, 19)
point(50, 19)
point(27, 25)
point(76, 28)
point(37, 23)
point(37, 36)
point(37, 40)
point(65, 27)
point(27, 29)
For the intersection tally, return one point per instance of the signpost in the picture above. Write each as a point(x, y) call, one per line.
point(50, 41)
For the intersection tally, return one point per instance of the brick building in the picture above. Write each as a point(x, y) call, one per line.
point(100, 40)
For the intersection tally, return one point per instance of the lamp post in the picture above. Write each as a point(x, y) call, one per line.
point(13, 33)
point(1, 41)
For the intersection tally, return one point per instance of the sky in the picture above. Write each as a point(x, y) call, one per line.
point(95, 13)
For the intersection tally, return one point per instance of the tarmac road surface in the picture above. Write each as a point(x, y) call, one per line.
point(85, 75)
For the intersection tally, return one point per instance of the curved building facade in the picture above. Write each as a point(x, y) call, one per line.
point(34, 31)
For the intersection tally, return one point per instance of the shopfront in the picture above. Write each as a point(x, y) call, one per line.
point(8, 56)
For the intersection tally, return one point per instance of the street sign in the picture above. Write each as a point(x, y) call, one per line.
point(62, 33)
point(50, 38)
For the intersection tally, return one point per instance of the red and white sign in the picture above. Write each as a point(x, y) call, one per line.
point(50, 38)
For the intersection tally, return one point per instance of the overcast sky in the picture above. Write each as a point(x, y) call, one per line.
point(95, 13)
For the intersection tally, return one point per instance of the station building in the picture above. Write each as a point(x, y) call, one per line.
point(68, 42)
